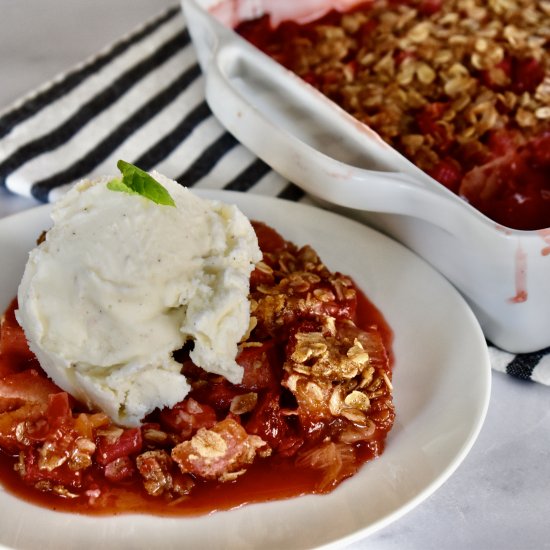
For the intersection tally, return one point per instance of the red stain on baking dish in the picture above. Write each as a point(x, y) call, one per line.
point(503, 229)
point(545, 234)
point(521, 276)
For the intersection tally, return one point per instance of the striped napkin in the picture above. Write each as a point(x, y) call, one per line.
point(142, 100)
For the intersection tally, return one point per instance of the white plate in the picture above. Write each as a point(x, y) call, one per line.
point(441, 381)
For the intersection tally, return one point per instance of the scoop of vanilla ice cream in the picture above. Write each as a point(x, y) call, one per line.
point(121, 282)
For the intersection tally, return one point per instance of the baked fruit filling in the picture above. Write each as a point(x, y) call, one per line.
point(314, 404)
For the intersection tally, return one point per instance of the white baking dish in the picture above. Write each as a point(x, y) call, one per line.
point(503, 273)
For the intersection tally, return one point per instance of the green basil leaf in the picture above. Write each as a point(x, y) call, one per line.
point(136, 181)
point(119, 185)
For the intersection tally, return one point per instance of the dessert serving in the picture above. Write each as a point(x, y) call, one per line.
point(174, 369)
point(460, 87)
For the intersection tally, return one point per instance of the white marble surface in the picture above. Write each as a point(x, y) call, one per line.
point(500, 496)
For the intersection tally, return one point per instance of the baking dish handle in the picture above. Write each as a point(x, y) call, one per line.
point(241, 94)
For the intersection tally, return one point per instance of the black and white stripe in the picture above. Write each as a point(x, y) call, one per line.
point(42, 98)
point(142, 100)
point(524, 366)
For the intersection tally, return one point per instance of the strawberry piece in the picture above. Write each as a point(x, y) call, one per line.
point(189, 415)
point(447, 172)
point(42, 468)
point(429, 7)
point(268, 239)
point(499, 76)
point(527, 74)
point(503, 142)
point(14, 350)
point(427, 121)
point(269, 422)
point(257, 363)
point(25, 387)
point(110, 448)
point(120, 469)
point(217, 452)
